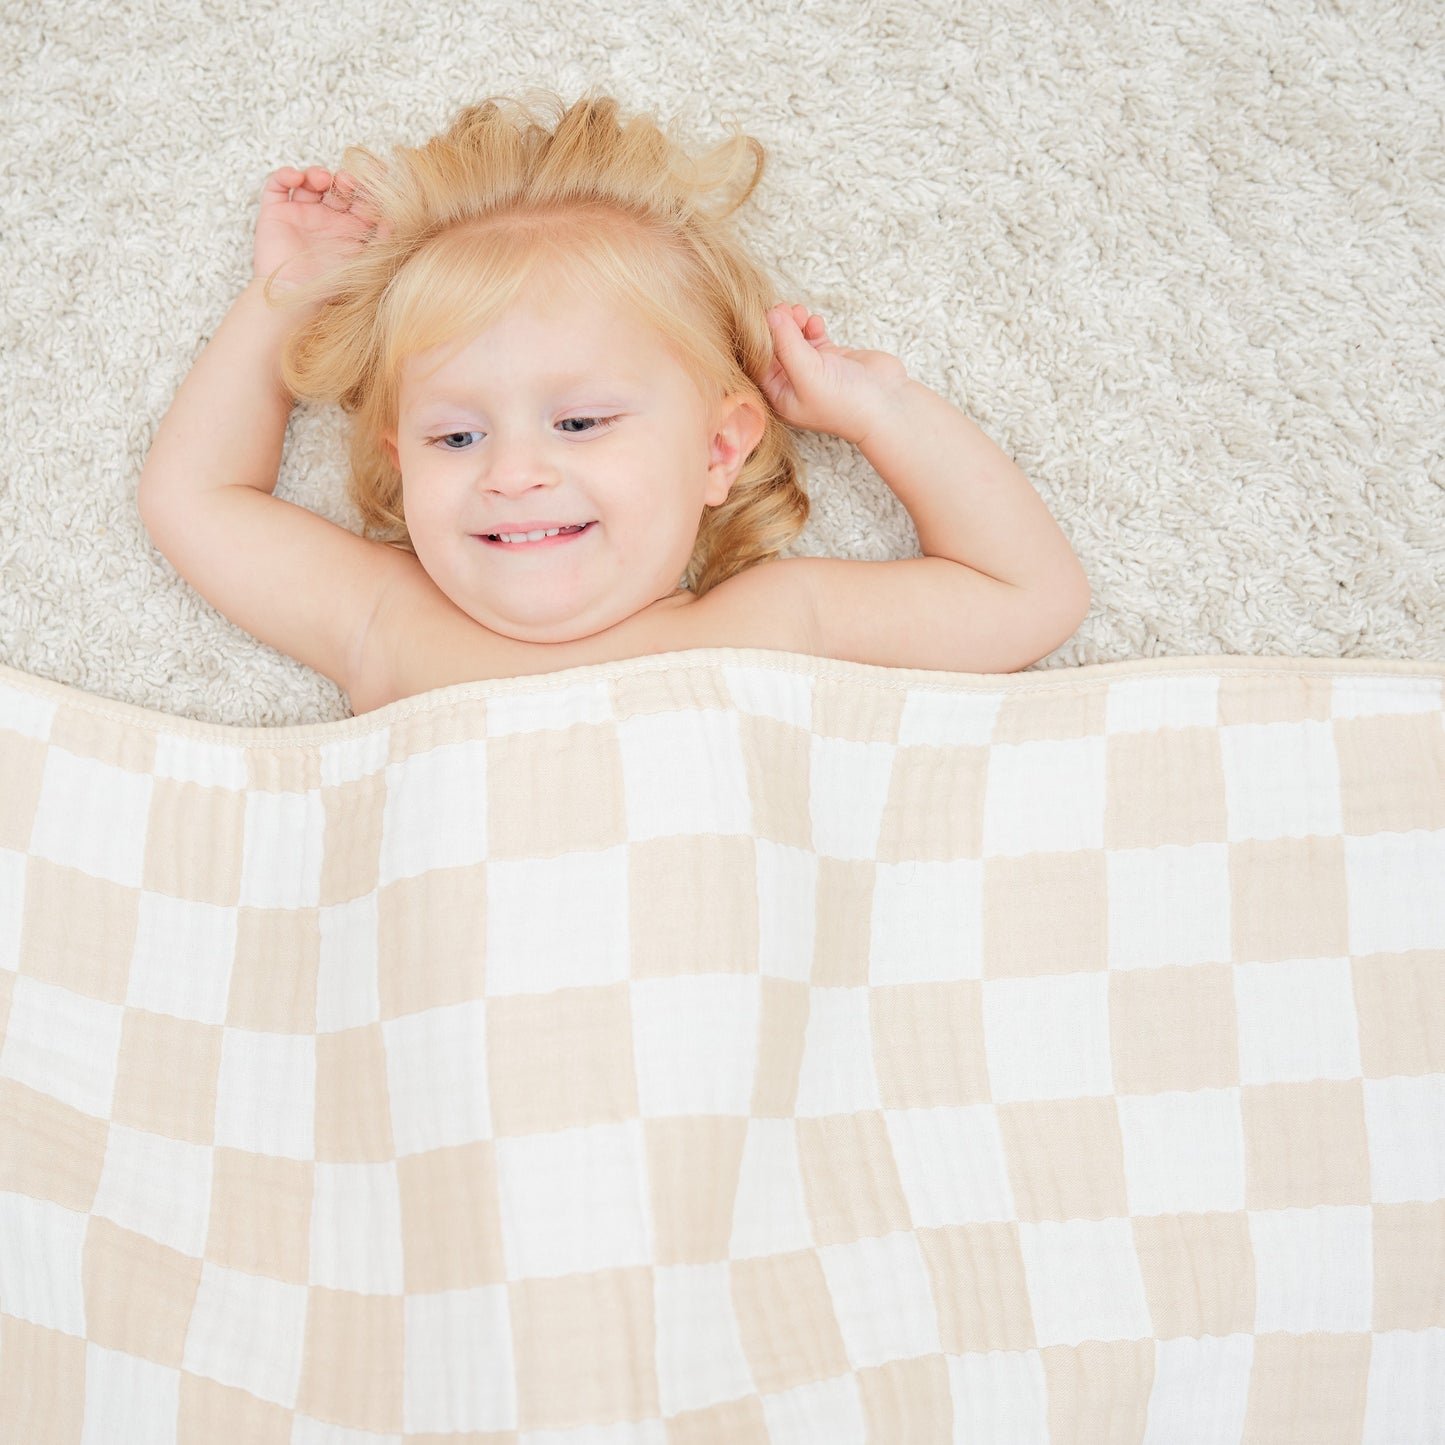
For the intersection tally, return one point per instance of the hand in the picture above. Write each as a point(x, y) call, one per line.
point(822, 387)
point(309, 221)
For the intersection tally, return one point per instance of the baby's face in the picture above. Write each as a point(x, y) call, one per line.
point(565, 413)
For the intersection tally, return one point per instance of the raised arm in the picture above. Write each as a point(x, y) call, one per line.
point(287, 576)
point(1020, 592)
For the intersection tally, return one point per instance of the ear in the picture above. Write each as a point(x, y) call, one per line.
point(388, 442)
point(738, 426)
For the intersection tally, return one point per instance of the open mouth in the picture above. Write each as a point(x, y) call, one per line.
point(526, 541)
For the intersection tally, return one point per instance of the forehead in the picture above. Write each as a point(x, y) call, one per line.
point(555, 339)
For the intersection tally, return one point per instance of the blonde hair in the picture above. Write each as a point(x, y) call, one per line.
point(621, 207)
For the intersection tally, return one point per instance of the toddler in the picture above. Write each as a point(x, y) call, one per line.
point(569, 387)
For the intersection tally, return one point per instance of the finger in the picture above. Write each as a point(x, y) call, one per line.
point(790, 346)
point(315, 183)
point(280, 181)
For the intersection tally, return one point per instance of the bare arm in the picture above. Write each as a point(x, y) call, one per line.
point(998, 585)
point(227, 423)
point(969, 502)
point(287, 576)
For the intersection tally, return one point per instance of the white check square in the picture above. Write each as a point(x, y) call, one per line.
point(830, 1410)
point(1084, 1281)
point(202, 934)
point(1405, 1125)
point(266, 1093)
point(700, 1356)
point(1405, 1397)
point(41, 1246)
point(351, 758)
point(459, 1371)
point(128, 1400)
point(557, 923)
point(552, 709)
point(436, 1072)
point(1313, 1269)
point(62, 1044)
point(249, 1332)
point(847, 791)
point(1044, 797)
point(770, 1212)
point(1201, 1389)
point(1048, 1037)
point(193, 760)
point(683, 772)
point(574, 1201)
point(951, 1164)
point(1146, 704)
point(157, 1187)
point(1183, 1152)
point(1281, 780)
point(948, 719)
point(1168, 906)
point(837, 1075)
point(1296, 1021)
point(281, 850)
point(771, 692)
point(787, 911)
point(882, 1298)
point(113, 801)
point(1396, 901)
point(927, 923)
point(999, 1396)
point(695, 1042)
point(348, 993)
point(356, 1228)
point(435, 815)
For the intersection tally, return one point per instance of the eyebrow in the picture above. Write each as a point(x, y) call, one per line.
point(557, 381)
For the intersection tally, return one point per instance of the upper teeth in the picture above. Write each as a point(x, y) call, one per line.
point(527, 536)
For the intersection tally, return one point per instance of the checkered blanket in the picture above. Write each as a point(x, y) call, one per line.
point(731, 1047)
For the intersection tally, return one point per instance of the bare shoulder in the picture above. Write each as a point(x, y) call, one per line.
point(419, 640)
point(923, 612)
point(292, 579)
point(768, 606)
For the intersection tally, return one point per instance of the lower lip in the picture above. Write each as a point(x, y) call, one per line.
point(559, 540)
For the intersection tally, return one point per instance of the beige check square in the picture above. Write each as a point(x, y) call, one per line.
point(42, 1382)
point(261, 1215)
point(49, 1150)
point(561, 1061)
point(80, 931)
point(693, 903)
point(194, 844)
point(576, 1348)
point(166, 1075)
point(430, 930)
point(1305, 1145)
point(567, 798)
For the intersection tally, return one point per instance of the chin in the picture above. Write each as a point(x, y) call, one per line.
point(562, 629)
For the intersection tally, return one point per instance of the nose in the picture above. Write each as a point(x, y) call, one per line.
point(515, 463)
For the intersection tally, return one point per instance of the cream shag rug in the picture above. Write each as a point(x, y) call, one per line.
point(1182, 259)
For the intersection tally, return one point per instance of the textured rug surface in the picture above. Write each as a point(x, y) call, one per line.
point(1180, 258)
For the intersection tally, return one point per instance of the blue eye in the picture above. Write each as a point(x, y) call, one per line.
point(578, 424)
point(450, 435)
